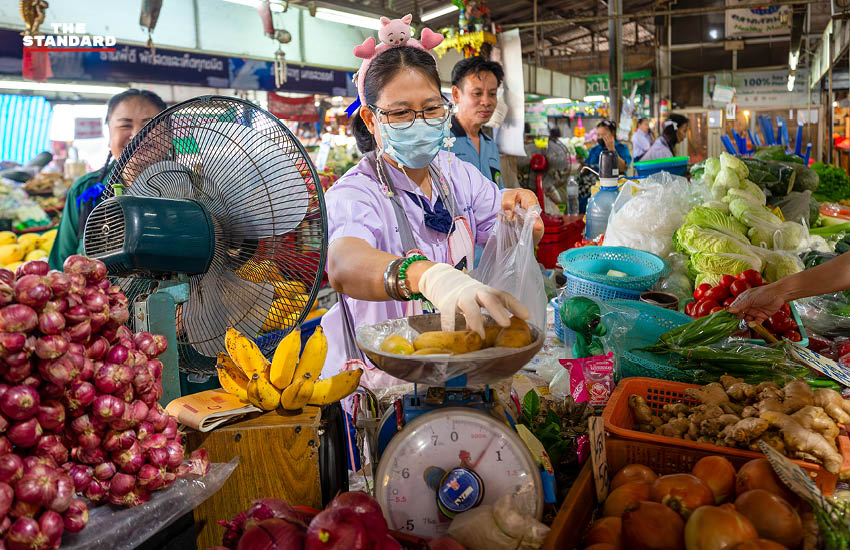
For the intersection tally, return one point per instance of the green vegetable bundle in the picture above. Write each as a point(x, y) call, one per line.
point(699, 332)
point(776, 152)
point(834, 183)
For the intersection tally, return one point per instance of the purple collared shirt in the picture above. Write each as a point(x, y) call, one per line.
point(358, 207)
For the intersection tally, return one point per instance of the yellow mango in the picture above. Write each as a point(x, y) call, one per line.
point(28, 242)
point(458, 341)
point(7, 237)
point(13, 266)
point(37, 254)
point(397, 344)
point(11, 253)
point(490, 335)
point(517, 335)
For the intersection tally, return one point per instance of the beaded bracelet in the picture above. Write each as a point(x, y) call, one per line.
point(402, 276)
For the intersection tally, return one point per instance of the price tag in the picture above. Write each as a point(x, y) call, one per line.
point(795, 478)
point(820, 363)
point(598, 460)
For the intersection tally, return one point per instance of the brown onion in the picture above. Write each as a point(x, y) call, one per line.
point(772, 516)
point(716, 528)
point(683, 493)
point(758, 474)
point(625, 496)
point(652, 526)
point(633, 472)
point(718, 474)
point(759, 544)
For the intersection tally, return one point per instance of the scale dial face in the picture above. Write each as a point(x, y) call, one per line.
point(446, 439)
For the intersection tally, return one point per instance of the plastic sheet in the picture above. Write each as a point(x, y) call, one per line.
point(127, 528)
point(508, 263)
point(828, 315)
point(645, 215)
point(677, 281)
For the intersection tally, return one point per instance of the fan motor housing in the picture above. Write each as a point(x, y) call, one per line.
point(149, 235)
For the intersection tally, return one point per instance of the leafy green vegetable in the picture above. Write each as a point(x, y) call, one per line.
point(834, 183)
point(693, 239)
point(725, 263)
point(726, 179)
point(778, 265)
point(776, 152)
point(799, 206)
point(713, 218)
point(711, 278)
point(717, 205)
point(530, 407)
point(712, 167)
point(727, 161)
point(776, 177)
point(747, 212)
point(757, 198)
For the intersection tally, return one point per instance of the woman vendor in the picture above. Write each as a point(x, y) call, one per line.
point(126, 114)
point(403, 223)
point(674, 130)
point(606, 138)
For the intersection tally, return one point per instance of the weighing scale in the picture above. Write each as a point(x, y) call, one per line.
point(444, 449)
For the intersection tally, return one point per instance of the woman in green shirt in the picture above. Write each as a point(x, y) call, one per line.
point(126, 114)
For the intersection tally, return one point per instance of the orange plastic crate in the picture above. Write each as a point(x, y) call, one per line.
point(619, 421)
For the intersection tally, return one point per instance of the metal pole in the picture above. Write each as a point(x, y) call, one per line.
point(830, 119)
point(536, 51)
point(614, 74)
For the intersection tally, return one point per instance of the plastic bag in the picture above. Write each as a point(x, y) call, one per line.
point(677, 281)
point(828, 315)
point(508, 263)
point(506, 525)
point(798, 206)
point(127, 528)
point(645, 215)
point(617, 322)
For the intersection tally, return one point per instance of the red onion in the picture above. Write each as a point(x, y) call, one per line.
point(33, 267)
point(152, 396)
point(157, 417)
point(77, 348)
point(59, 283)
point(98, 272)
point(7, 496)
point(32, 381)
point(158, 457)
point(51, 346)
point(25, 534)
point(107, 408)
point(77, 362)
point(11, 342)
point(7, 293)
point(51, 415)
point(161, 343)
point(108, 378)
point(89, 440)
point(156, 441)
point(129, 461)
point(134, 498)
point(77, 263)
point(199, 461)
point(97, 349)
point(82, 424)
point(336, 528)
point(111, 441)
point(20, 402)
point(4, 423)
point(155, 366)
point(21, 509)
point(81, 475)
point(170, 430)
point(103, 284)
point(121, 484)
point(175, 454)
point(17, 373)
point(79, 396)
point(95, 300)
point(117, 355)
point(109, 332)
point(77, 314)
point(31, 291)
point(18, 318)
point(368, 511)
point(127, 395)
point(275, 533)
point(91, 456)
point(59, 305)
point(87, 371)
point(126, 439)
point(143, 431)
point(39, 463)
point(124, 333)
point(119, 314)
point(17, 359)
point(58, 371)
point(24, 433)
point(11, 468)
point(150, 478)
point(144, 343)
point(51, 445)
point(64, 494)
point(143, 380)
point(81, 332)
point(52, 525)
point(76, 516)
point(105, 471)
point(97, 490)
point(48, 391)
point(51, 322)
point(37, 487)
point(5, 445)
point(7, 276)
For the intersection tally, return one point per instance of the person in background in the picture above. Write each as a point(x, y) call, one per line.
point(126, 114)
point(606, 132)
point(475, 85)
point(674, 130)
point(641, 139)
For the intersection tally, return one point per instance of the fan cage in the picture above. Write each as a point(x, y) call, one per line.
point(255, 178)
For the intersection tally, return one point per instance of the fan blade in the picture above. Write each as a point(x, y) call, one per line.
point(166, 178)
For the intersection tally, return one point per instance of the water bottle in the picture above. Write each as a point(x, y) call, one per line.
point(598, 210)
point(572, 197)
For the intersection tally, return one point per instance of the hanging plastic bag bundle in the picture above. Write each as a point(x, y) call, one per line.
point(508, 263)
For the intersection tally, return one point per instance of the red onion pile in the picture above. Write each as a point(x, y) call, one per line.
point(78, 404)
point(352, 521)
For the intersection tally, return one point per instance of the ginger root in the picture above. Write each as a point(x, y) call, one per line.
point(677, 427)
point(713, 426)
point(835, 406)
point(642, 412)
point(799, 439)
point(727, 381)
point(816, 419)
point(796, 395)
point(741, 391)
point(714, 394)
point(745, 430)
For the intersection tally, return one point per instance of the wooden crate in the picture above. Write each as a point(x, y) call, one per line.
point(278, 457)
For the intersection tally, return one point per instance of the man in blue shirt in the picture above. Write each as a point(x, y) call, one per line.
point(475, 82)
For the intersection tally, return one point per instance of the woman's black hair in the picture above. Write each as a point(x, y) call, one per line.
point(381, 70)
point(671, 127)
point(116, 100)
point(641, 120)
point(605, 123)
point(554, 132)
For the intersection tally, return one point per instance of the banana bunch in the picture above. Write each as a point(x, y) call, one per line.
point(286, 381)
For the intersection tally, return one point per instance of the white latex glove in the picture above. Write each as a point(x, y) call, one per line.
point(451, 290)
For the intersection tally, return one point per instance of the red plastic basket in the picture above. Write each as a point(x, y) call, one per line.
point(619, 421)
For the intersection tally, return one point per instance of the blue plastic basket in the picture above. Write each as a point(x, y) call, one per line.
point(268, 341)
point(576, 286)
point(566, 335)
point(677, 166)
point(592, 263)
point(652, 322)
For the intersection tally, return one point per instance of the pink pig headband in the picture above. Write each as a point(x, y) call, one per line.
point(393, 33)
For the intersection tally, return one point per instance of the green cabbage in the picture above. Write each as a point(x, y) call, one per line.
point(717, 205)
point(727, 179)
point(711, 278)
point(693, 239)
point(750, 213)
point(732, 194)
point(734, 163)
point(713, 218)
point(778, 265)
point(754, 190)
point(791, 236)
point(762, 235)
point(725, 263)
point(712, 167)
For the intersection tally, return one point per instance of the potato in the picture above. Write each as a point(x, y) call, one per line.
point(517, 335)
point(397, 344)
point(431, 351)
point(490, 335)
point(458, 341)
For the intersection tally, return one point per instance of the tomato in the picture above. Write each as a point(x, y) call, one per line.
point(690, 307)
point(701, 290)
point(705, 306)
point(739, 287)
point(844, 349)
point(792, 335)
point(718, 294)
point(728, 301)
point(751, 276)
point(780, 322)
point(786, 308)
point(716, 309)
point(726, 281)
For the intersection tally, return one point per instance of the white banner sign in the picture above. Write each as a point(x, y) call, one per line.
point(760, 21)
point(510, 137)
point(757, 89)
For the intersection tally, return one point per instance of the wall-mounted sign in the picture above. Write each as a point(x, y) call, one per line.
point(759, 88)
point(88, 128)
point(764, 20)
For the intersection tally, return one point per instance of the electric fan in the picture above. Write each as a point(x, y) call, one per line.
point(212, 218)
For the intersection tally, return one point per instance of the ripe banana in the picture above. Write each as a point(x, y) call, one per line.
point(231, 377)
point(335, 388)
point(298, 393)
point(313, 358)
point(245, 352)
point(285, 359)
point(262, 394)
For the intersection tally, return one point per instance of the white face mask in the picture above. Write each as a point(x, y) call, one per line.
point(413, 147)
